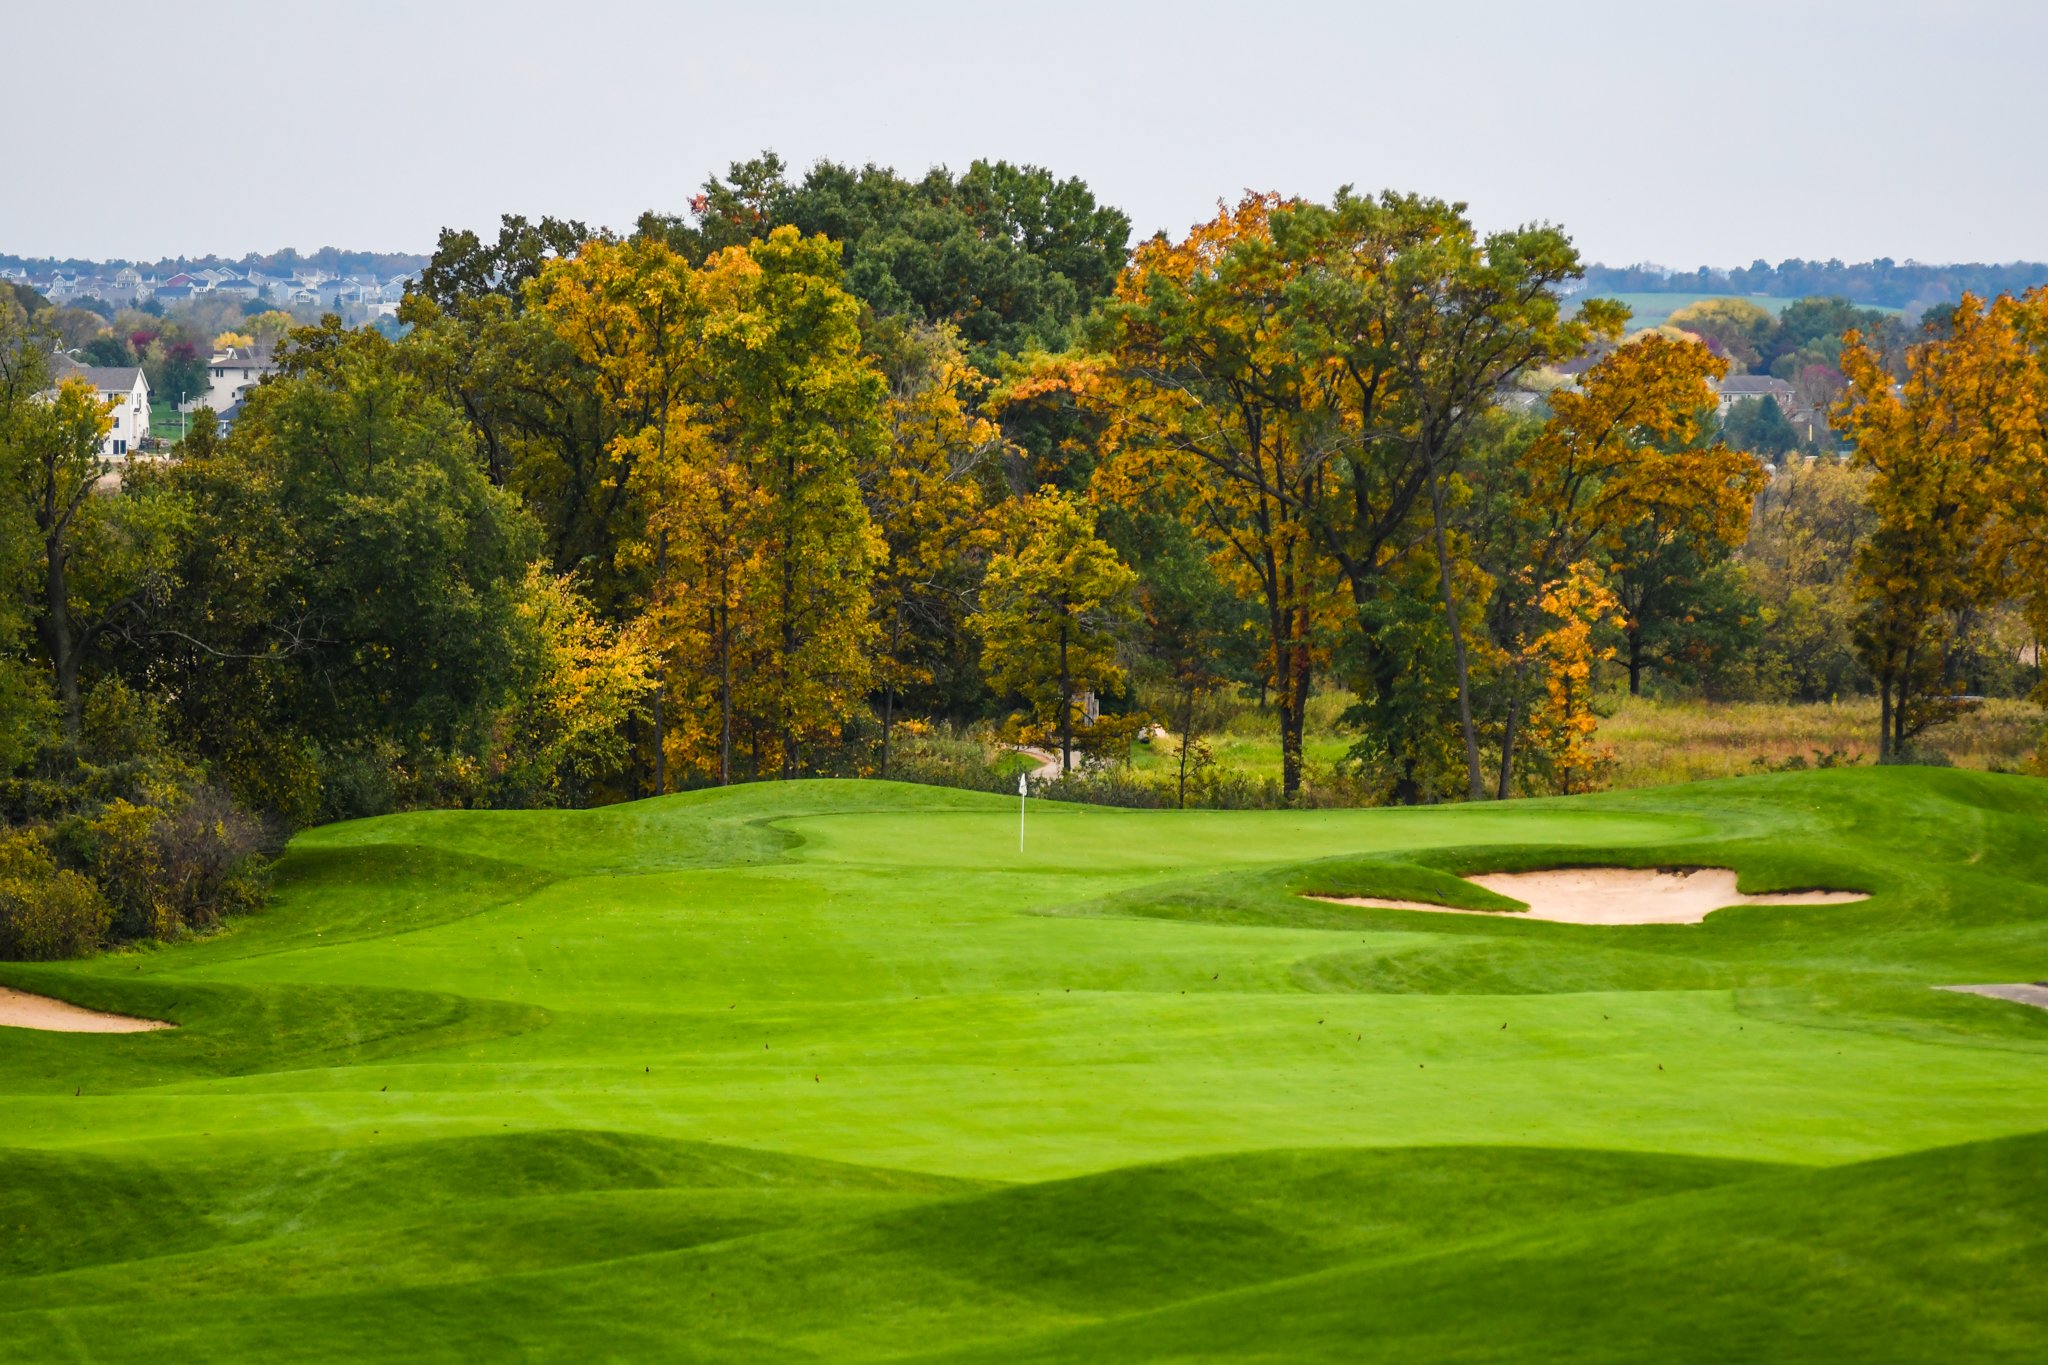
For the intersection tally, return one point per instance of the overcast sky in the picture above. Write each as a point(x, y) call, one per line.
point(1682, 133)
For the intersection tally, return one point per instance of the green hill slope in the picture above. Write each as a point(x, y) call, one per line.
point(831, 1071)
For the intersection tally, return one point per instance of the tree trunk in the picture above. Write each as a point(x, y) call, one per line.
point(660, 674)
point(1884, 719)
point(888, 716)
point(1475, 785)
point(56, 630)
point(725, 667)
point(889, 687)
point(788, 657)
point(1066, 708)
point(1635, 660)
point(1407, 791)
point(1509, 733)
point(1187, 725)
point(1291, 717)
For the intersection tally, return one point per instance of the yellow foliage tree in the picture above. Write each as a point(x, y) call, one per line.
point(926, 505)
point(1562, 726)
point(568, 726)
point(1618, 469)
point(1050, 608)
point(1735, 325)
point(633, 312)
point(1214, 417)
point(743, 409)
point(1955, 455)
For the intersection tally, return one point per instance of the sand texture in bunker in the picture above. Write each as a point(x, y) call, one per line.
point(2033, 993)
point(19, 1009)
point(1614, 895)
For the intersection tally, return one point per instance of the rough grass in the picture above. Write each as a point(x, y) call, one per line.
point(829, 1071)
point(1657, 742)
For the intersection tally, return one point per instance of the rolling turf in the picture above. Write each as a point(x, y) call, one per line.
point(828, 1071)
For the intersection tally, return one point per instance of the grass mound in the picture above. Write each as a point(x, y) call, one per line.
point(830, 1071)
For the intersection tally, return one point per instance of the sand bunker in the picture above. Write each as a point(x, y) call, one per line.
point(1614, 895)
point(19, 1009)
point(2019, 992)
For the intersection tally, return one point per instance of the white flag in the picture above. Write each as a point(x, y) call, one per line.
point(1021, 786)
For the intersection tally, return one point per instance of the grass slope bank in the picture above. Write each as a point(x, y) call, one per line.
point(830, 1070)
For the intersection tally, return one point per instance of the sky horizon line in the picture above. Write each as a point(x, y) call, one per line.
point(1590, 264)
point(1850, 129)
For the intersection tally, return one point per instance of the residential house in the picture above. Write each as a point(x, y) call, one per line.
point(1808, 421)
point(231, 374)
point(1737, 387)
point(126, 387)
point(234, 286)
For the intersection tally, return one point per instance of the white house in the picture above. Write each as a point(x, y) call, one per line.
point(127, 388)
point(231, 374)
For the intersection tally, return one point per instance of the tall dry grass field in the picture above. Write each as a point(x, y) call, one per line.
point(1658, 742)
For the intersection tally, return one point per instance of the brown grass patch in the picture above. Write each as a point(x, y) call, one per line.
point(1658, 742)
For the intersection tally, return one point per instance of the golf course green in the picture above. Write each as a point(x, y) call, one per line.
point(830, 1071)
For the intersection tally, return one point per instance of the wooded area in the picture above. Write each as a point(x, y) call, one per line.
point(781, 487)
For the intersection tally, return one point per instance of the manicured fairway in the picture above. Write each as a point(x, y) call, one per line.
point(829, 1071)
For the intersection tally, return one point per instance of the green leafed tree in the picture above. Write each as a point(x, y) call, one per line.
point(1051, 611)
point(351, 590)
point(1759, 426)
point(1011, 256)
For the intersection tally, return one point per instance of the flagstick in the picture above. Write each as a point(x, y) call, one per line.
point(1023, 785)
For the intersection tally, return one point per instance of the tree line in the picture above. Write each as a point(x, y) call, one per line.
point(1911, 285)
point(772, 489)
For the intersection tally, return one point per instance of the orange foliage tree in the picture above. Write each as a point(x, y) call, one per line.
point(1619, 455)
point(1214, 415)
point(1955, 452)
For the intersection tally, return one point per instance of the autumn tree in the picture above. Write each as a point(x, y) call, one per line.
point(789, 391)
point(1955, 464)
point(1051, 608)
point(1799, 559)
point(1562, 724)
point(1738, 329)
point(740, 411)
point(1214, 417)
point(485, 345)
point(88, 560)
point(1618, 471)
point(1414, 323)
point(60, 440)
point(567, 726)
point(633, 314)
point(925, 500)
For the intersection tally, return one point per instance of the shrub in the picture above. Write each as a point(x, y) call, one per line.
point(180, 865)
point(45, 913)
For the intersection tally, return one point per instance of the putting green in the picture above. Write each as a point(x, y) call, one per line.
point(833, 1071)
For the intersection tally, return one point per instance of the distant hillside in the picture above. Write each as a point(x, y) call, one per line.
point(1651, 307)
point(1882, 283)
point(328, 260)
